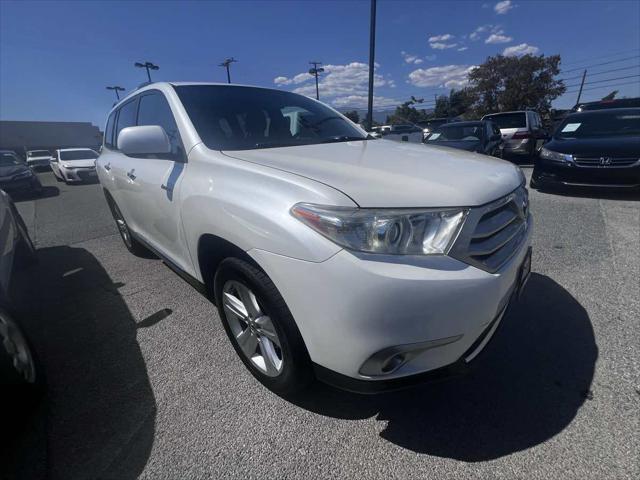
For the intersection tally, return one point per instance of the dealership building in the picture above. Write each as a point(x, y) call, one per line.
point(21, 136)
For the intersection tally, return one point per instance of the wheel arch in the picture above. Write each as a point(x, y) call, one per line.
point(212, 250)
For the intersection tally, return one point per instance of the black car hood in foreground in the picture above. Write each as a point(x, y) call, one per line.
point(459, 144)
point(10, 170)
point(619, 146)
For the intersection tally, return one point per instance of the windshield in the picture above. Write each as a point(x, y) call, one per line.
point(465, 133)
point(610, 124)
point(9, 160)
point(241, 118)
point(77, 154)
point(39, 153)
point(510, 120)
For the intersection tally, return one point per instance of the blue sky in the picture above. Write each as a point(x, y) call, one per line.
point(57, 57)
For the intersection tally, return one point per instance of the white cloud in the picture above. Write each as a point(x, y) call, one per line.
point(449, 76)
point(282, 80)
point(498, 38)
point(442, 46)
point(430, 58)
point(360, 101)
point(503, 7)
point(337, 81)
point(475, 35)
point(462, 49)
point(413, 59)
point(518, 50)
point(441, 38)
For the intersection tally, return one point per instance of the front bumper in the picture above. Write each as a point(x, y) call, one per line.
point(553, 173)
point(79, 174)
point(38, 163)
point(352, 306)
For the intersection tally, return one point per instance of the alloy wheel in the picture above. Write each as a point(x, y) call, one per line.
point(122, 226)
point(18, 349)
point(252, 329)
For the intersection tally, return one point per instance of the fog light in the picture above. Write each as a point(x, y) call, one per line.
point(393, 363)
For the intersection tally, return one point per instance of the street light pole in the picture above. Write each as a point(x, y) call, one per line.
point(315, 71)
point(372, 56)
point(116, 89)
point(148, 66)
point(226, 65)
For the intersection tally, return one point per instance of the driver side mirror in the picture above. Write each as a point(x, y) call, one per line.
point(144, 140)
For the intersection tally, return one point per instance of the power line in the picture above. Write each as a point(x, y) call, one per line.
point(603, 63)
point(575, 62)
point(604, 80)
point(604, 86)
point(602, 72)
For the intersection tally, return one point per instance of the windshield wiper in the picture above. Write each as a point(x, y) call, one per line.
point(343, 138)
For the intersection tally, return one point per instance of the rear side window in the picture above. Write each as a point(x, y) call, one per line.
point(155, 110)
point(108, 131)
point(126, 117)
point(510, 120)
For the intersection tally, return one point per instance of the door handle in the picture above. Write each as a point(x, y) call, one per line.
point(107, 166)
point(131, 175)
point(164, 187)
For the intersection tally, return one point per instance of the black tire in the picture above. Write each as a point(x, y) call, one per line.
point(19, 364)
point(129, 240)
point(297, 372)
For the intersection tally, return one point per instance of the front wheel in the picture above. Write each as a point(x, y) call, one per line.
point(261, 327)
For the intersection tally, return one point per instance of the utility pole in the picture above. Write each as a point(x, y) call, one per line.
point(116, 89)
point(148, 66)
point(584, 75)
point(226, 65)
point(372, 56)
point(315, 71)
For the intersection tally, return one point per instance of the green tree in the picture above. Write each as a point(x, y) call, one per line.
point(516, 83)
point(407, 113)
point(353, 115)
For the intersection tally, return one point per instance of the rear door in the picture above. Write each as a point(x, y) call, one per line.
point(153, 185)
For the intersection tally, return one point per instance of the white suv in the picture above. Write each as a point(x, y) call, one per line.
point(360, 262)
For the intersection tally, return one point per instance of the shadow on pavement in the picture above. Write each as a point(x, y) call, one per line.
point(100, 408)
point(525, 388)
point(595, 192)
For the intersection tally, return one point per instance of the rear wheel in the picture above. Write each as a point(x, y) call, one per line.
point(261, 327)
point(133, 245)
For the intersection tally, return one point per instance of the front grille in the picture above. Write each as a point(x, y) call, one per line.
point(493, 233)
point(604, 162)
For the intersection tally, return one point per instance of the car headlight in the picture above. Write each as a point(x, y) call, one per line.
point(555, 156)
point(390, 231)
point(25, 174)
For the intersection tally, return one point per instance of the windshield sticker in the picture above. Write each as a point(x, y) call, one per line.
point(571, 127)
point(433, 136)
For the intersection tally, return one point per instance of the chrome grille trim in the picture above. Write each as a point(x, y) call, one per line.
point(612, 162)
point(494, 232)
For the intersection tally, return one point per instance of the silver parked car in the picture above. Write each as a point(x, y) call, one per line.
point(522, 131)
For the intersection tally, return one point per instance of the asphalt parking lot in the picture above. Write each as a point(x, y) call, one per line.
point(142, 380)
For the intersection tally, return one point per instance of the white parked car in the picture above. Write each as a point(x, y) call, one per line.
point(38, 158)
point(360, 262)
point(74, 164)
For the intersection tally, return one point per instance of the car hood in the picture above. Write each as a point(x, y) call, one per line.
point(619, 146)
point(10, 170)
point(89, 162)
point(382, 173)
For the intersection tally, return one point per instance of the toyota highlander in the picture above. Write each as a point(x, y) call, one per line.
point(364, 263)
